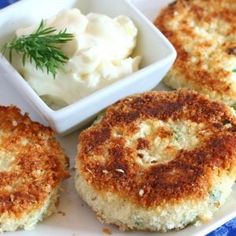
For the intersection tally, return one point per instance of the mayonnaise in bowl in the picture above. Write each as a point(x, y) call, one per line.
point(99, 54)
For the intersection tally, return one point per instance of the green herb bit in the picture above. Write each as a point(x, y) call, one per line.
point(41, 47)
point(234, 70)
point(234, 106)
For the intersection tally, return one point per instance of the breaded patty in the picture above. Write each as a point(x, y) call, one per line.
point(158, 161)
point(32, 166)
point(204, 35)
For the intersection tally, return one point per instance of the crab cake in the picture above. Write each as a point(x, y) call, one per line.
point(32, 166)
point(204, 35)
point(158, 161)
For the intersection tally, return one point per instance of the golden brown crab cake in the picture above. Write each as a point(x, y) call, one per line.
point(158, 161)
point(32, 166)
point(204, 35)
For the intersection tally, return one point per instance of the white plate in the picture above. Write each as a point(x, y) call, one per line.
point(79, 220)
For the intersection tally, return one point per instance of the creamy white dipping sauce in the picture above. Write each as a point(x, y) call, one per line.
point(99, 54)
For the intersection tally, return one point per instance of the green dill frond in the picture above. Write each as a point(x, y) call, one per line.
point(41, 48)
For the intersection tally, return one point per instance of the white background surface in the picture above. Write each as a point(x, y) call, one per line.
point(79, 219)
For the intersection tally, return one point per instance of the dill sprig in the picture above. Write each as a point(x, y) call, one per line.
point(41, 47)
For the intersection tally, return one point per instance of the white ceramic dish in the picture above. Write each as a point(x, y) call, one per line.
point(79, 220)
point(158, 56)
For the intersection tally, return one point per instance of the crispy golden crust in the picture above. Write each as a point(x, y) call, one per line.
point(108, 164)
point(204, 35)
point(35, 165)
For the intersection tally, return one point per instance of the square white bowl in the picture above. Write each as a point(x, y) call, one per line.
point(157, 53)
